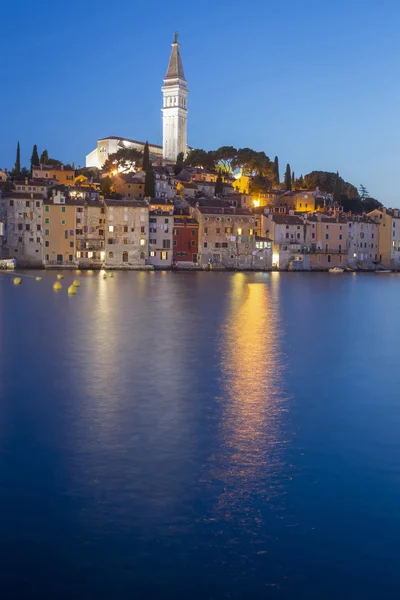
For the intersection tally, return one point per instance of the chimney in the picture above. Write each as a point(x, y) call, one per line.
point(396, 212)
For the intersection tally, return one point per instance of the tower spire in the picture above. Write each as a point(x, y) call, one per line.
point(175, 67)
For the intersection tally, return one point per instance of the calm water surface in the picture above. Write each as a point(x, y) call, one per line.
point(206, 435)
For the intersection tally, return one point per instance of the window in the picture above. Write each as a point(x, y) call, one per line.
point(63, 209)
point(329, 258)
point(27, 227)
point(175, 232)
point(153, 220)
point(194, 243)
point(111, 228)
point(47, 232)
point(239, 231)
point(205, 244)
point(111, 255)
point(125, 228)
point(46, 257)
point(298, 236)
point(142, 255)
point(70, 258)
point(38, 240)
point(153, 241)
point(327, 227)
point(20, 240)
point(340, 247)
point(218, 230)
point(251, 231)
point(327, 236)
point(27, 203)
point(228, 229)
point(223, 245)
point(340, 236)
point(101, 232)
point(152, 253)
point(142, 229)
point(47, 220)
point(176, 243)
point(217, 245)
point(287, 236)
point(19, 226)
point(47, 243)
point(124, 257)
point(38, 227)
point(206, 230)
point(63, 222)
point(126, 241)
point(66, 234)
point(11, 202)
point(142, 242)
point(166, 244)
point(164, 255)
point(166, 221)
point(193, 232)
point(71, 244)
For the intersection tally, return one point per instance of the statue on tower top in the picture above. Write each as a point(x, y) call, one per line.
point(176, 35)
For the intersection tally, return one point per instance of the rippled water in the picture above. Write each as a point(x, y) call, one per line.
point(204, 435)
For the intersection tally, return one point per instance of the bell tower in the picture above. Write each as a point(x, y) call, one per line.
point(174, 110)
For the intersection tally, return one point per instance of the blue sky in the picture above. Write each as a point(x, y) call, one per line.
point(316, 83)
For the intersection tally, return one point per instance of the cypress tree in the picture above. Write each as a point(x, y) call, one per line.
point(288, 178)
point(277, 179)
point(146, 157)
point(44, 158)
point(337, 194)
point(17, 166)
point(149, 183)
point(293, 181)
point(219, 187)
point(35, 157)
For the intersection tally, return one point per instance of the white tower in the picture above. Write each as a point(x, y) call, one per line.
point(174, 109)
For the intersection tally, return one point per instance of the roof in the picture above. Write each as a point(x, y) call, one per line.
point(260, 238)
point(130, 178)
point(159, 213)
point(134, 203)
point(287, 220)
point(175, 67)
point(189, 185)
point(74, 202)
point(53, 168)
point(161, 202)
point(184, 220)
point(229, 210)
point(23, 195)
point(121, 139)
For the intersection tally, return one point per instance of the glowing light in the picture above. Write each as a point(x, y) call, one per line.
point(102, 255)
point(355, 254)
point(90, 254)
point(275, 259)
point(142, 242)
point(239, 231)
point(256, 203)
point(111, 228)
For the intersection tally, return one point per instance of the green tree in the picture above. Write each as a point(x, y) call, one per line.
point(17, 166)
point(150, 184)
point(200, 158)
point(179, 163)
point(326, 182)
point(125, 159)
point(338, 191)
point(288, 178)
point(219, 186)
point(105, 187)
point(276, 180)
point(146, 157)
point(293, 180)
point(300, 182)
point(35, 161)
point(364, 194)
point(44, 157)
point(225, 157)
point(259, 185)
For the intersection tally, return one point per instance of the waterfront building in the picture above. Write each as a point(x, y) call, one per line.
point(362, 241)
point(328, 241)
point(62, 174)
point(90, 233)
point(161, 226)
point(22, 217)
point(185, 241)
point(58, 226)
point(388, 236)
point(288, 233)
point(126, 235)
point(174, 110)
point(226, 237)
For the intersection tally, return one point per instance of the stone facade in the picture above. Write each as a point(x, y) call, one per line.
point(126, 234)
point(174, 111)
point(362, 242)
point(90, 234)
point(161, 225)
point(23, 219)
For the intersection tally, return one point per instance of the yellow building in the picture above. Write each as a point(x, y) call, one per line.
point(328, 241)
point(59, 237)
point(63, 174)
point(388, 236)
point(303, 201)
point(129, 185)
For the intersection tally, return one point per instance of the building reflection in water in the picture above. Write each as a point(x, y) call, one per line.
point(253, 399)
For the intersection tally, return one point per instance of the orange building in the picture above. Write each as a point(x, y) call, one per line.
point(129, 185)
point(59, 224)
point(63, 174)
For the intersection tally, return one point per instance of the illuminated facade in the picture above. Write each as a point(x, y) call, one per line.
point(23, 215)
point(174, 110)
point(127, 226)
point(389, 236)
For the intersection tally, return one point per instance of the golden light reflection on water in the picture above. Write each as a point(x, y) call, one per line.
point(254, 402)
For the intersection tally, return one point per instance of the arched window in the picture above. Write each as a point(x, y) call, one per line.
point(111, 255)
point(124, 257)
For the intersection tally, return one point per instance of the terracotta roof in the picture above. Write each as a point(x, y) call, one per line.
point(183, 219)
point(134, 203)
point(286, 220)
point(160, 201)
point(23, 195)
point(53, 168)
point(225, 211)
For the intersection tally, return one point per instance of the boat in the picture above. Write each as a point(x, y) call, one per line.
point(383, 271)
point(336, 270)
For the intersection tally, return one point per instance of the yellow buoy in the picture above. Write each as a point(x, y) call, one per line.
point(72, 290)
point(17, 280)
point(59, 276)
point(76, 283)
point(57, 286)
point(38, 279)
point(105, 276)
point(111, 274)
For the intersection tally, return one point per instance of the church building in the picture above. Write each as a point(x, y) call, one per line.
point(174, 120)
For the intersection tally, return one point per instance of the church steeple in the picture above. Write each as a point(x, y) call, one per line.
point(174, 106)
point(175, 67)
